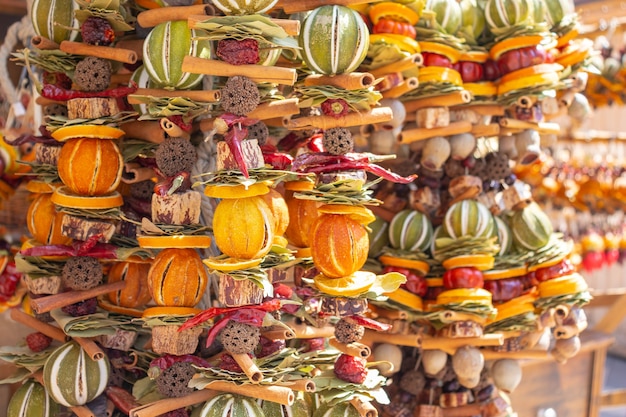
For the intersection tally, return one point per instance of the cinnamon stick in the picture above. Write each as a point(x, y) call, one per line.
point(376, 115)
point(117, 79)
point(483, 109)
point(388, 314)
point(462, 411)
point(404, 87)
point(295, 6)
point(304, 385)
point(276, 334)
point(349, 81)
point(443, 343)
point(52, 302)
point(43, 101)
point(371, 337)
point(521, 354)
point(126, 56)
point(455, 128)
point(152, 17)
point(526, 102)
point(160, 407)
point(89, 346)
point(264, 111)
point(290, 26)
point(489, 130)
point(38, 325)
point(146, 130)
point(541, 127)
point(133, 45)
point(365, 408)
point(302, 331)
point(410, 62)
point(44, 44)
point(206, 96)
point(352, 349)
point(172, 129)
point(274, 393)
point(452, 99)
point(135, 172)
point(246, 363)
point(257, 73)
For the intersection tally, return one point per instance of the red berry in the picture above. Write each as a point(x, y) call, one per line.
point(335, 107)
point(351, 368)
point(267, 347)
point(97, 31)
point(228, 363)
point(282, 291)
point(312, 345)
point(8, 285)
point(38, 342)
point(81, 308)
point(179, 412)
point(237, 52)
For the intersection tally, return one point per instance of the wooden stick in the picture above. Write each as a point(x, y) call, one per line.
point(462, 411)
point(89, 346)
point(172, 129)
point(304, 385)
point(274, 393)
point(160, 407)
point(407, 63)
point(248, 366)
point(146, 130)
point(51, 302)
point(455, 128)
point(542, 127)
point(44, 44)
point(365, 408)
point(452, 99)
point(257, 73)
point(483, 109)
point(151, 18)
point(38, 325)
point(352, 349)
point(43, 101)
point(404, 87)
point(376, 115)
point(290, 26)
point(281, 334)
point(133, 45)
point(489, 130)
point(135, 172)
point(295, 6)
point(207, 96)
point(443, 343)
point(371, 337)
point(126, 56)
point(350, 81)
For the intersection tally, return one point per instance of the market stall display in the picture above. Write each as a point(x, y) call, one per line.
point(280, 207)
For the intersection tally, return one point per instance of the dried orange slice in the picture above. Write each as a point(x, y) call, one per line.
point(227, 264)
point(481, 262)
point(41, 187)
point(359, 214)
point(350, 286)
point(87, 131)
point(170, 311)
point(415, 264)
point(106, 305)
point(62, 196)
point(406, 298)
point(176, 241)
point(236, 191)
point(299, 185)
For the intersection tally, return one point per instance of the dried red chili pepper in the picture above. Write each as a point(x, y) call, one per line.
point(53, 92)
point(373, 168)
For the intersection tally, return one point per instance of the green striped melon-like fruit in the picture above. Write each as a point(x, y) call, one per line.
point(243, 7)
point(556, 10)
point(531, 227)
point(472, 17)
point(469, 218)
point(299, 409)
point(448, 14)
point(539, 11)
point(501, 14)
point(505, 237)
point(53, 19)
point(32, 400)
point(230, 405)
point(343, 409)
point(410, 230)
point(141, 77)
point(72, 377)
point(334, 40)
point(379, 236)
point(438, 233)
point(164, 49)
